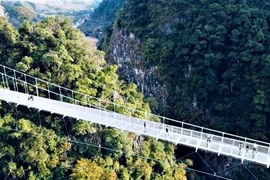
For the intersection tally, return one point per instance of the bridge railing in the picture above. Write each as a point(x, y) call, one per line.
point(21, 82)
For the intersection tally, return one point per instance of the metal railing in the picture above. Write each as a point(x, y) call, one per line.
point(17, 81)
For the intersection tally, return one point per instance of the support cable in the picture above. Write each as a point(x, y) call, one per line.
point(119, 151)
point(66, 128)
point(206, 173)
point(111, 149)
point(228, 168)
point(14, 108)
point(32, 114)
point(251, 173)
point(185, 156)
point(206, 163)
point(214, 173)
point(16, 117)
point(40, 122)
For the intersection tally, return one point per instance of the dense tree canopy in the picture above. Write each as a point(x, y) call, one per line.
point(212, 55)
point(39, 145)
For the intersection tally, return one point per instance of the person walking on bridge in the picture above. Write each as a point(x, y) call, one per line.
point(247, 146)
point(255, 147)
point(31, 97)
point(208, 138)
point(240, 148)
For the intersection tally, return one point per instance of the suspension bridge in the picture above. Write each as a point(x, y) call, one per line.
point(22, 89)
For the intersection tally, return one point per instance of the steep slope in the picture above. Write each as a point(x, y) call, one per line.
point(102, 18)
point(126, 50)
point(212, 58)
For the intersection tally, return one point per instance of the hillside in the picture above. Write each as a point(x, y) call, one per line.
point(101, 20)
point(205, 62)
point(37, 10)
point(211, 60)
point(41, 145)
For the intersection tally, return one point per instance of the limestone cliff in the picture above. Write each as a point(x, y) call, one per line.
point(125, 50)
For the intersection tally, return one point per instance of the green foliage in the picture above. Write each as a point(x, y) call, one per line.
point(25, 13)
point(212, 56)
point(85, 169)
point(82, 128)
point(9, 36)
point(28, 145)
point(39, 149)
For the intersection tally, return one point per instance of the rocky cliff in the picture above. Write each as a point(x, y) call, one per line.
point(125, 50)
point(211, 55)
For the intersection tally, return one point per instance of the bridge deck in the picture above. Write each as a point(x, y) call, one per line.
point(178, 135)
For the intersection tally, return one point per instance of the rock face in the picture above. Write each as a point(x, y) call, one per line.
point(126, 51)
point(2, 11)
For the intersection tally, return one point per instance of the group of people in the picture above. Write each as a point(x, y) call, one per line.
point(241, 145)
point(144, 124)
point(31, 97)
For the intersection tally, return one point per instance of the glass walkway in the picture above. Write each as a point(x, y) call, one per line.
point(25, 90)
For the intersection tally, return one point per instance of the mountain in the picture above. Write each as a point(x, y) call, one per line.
point(60, 6)
point(98, 23)
point(211, 63)
point(205, 62)
point(39, 145)
point(36, 10)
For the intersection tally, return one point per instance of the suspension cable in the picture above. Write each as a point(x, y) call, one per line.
point(206, 173)
point(64, 120)
point(39, 122)
point(251, 173)
point(185, 156)
point(16, 117)
point(206, 163)
point(111, 149)
point(99, 146)
point(32, 114)
point(228, 168)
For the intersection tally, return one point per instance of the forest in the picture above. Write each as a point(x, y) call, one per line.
point(211, 55)
point(213, 58)
point(34, 145)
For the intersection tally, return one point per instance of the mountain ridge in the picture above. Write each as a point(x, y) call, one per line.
point(35, 10)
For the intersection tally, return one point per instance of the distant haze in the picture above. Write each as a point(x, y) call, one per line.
point(77, 10)
point(61, 5)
